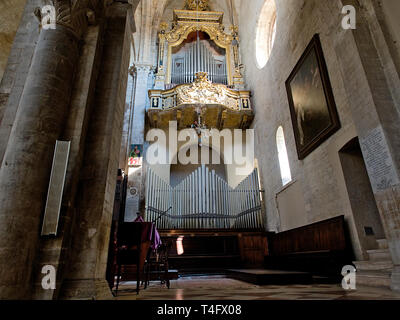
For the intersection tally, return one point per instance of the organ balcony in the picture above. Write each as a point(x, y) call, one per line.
point(218, 106)
point(199, 74)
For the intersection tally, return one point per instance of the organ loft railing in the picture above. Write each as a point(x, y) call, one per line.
point(204, 201)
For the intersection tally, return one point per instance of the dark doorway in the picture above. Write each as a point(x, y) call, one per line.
point(365, 211)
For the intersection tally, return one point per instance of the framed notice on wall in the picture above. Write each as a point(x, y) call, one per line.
point(312, 105)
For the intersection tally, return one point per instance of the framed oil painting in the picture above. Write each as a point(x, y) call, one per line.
point(312, 105)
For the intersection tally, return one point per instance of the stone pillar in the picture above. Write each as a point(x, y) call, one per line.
point(26, 166)
point(55, 250)
point(86, 270)
point(136, 187)
point(126, 133)
point(141, 94)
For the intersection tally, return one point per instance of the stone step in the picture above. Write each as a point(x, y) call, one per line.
point(373, 265)
point(373, 278)
point(382, 244)
point(270, 277)
point(379, 255)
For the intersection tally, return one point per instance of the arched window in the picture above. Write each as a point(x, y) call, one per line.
point(283, 157)
point(266, 31)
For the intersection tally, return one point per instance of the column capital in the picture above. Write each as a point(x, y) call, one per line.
point(75, 15)
point(145, 68)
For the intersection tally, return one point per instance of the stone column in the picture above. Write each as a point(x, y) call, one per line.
point(141, 94)
point(135, 193)
point(86, 266)
point(25, 171)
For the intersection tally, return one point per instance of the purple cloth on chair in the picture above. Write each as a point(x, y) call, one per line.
point(157, 239)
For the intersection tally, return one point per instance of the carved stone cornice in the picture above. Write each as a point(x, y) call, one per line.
point(75, 15)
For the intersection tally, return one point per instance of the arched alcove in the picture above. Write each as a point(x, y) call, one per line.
point(265, 33)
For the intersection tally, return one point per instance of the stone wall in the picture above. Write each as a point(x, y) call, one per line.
point(318, 179)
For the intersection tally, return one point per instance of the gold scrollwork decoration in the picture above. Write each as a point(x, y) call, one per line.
point(199, 5)
point(176, 36)
point(201, 92)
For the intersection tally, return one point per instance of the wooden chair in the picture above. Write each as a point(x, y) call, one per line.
point(133, 245)
point(157, 265)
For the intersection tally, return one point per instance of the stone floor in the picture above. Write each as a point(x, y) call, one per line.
point(222, 288)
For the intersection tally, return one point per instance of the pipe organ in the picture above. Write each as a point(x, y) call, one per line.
point(197, 57)
point(199, 79)
point(197, 43)
point(204, 201)
point(199, 68)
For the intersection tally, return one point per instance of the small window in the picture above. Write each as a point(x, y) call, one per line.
point(283, 157)
point(265, 34)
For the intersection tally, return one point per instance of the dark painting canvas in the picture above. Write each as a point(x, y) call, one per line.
point(311, 101)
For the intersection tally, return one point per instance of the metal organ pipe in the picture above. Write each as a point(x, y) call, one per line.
point(173, 72)
point(198, 52)
point(198, 58)
point(185, 75)
point(181, 73)
point(225, 76)
point(213, 71)
point(193, 62)
point(190, 64)
point(209, 61)
point(203, 57)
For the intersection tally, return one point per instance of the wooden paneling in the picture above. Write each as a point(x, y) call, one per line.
point(253, 248)
point(321, 248)
point(321, 236)
point(219, 249)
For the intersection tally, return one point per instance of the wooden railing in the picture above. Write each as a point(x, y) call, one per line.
point(204, 201)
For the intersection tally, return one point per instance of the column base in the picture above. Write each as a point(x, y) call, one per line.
point(85, 289)
point(395, 279)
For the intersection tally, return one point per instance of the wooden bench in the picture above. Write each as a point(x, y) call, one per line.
point(321, 248)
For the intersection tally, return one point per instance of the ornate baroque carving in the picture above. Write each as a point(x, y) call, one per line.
point(199, 5)
point(186, 22)
point(201, 92)
point(216, 33)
